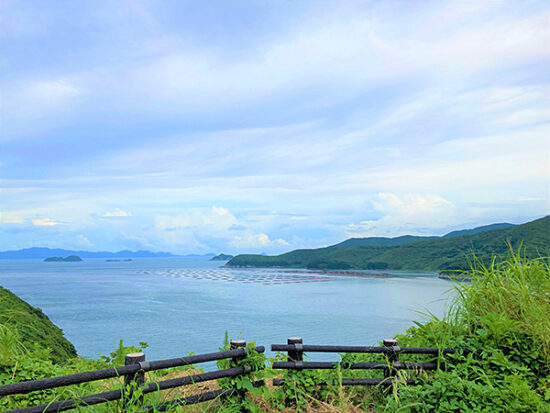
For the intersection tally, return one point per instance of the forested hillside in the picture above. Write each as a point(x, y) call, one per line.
point(437, 254)
point(31, 327)
point(405, 239)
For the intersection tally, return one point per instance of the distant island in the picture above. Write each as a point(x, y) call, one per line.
point(222, 257)
point(42, 253)
point(450, 255)
point(126, 260)
point(70, 258)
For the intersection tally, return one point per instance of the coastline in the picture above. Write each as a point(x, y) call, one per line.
point(455, 277)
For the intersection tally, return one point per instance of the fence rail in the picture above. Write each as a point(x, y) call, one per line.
point(53, 382)
point(360, 349)
point(135, 367)
point(329, 365)
point(295, 360)
point(133, 372)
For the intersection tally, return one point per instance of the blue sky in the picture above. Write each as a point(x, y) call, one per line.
point(265, 126)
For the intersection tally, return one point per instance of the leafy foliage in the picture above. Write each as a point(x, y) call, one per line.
point(505, 311)
point(242, 385)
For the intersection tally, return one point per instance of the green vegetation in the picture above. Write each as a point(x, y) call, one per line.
point(405, 239)
point(437, 254)
point(504, 312)
point(379, 241)
point(30, 328)
point(477, 230)
point(70, 258)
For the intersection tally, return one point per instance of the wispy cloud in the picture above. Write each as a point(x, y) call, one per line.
point(217, 218)
point(44, 222)
point(256, 241)
point(286, 126)
point(84, 242)
point(406, 214)
point(116, 213)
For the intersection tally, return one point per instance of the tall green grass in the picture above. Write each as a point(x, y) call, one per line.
point(505, 312)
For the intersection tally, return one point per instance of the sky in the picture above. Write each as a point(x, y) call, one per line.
point(269, 125)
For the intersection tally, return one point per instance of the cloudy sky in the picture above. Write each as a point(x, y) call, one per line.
point(264, 126)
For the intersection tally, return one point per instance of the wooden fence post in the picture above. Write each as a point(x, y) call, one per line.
point(296, 355)
point(391, 344)
point(133, 381)
point(234, 345)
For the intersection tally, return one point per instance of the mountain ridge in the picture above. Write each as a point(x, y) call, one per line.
point(405, 239)
point(435, 254)
point(43, 252)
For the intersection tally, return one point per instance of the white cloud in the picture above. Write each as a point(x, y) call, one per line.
point(50, 92)
point(131, 241)
point(11, 217)
point(339, 55)
point(82, 241)
point(35, 105)
point(44, 222)
point(214, 219)
point(346, 54)
point(117, 213)
point(38, 97)
point(405, 214)
point(299, 218)
point(257, 241)
point(200, 126)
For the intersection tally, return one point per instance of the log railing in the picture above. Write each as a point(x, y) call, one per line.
point(134, 377)
point(136, 366)
point(295, 360)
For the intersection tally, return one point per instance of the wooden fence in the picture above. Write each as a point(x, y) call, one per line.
point(134, 376)
point(135, 367)
point(295, 360)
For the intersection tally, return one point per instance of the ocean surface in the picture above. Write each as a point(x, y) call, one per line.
point(178, 305)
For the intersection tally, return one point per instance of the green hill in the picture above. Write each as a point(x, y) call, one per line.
point(478, 229)
point(405, 239)
point(33, 327)
point(379, 241)
point(436, 254)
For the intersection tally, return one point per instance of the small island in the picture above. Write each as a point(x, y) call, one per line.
point(222, 257)
point(70, 258)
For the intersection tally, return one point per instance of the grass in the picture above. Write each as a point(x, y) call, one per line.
point(505, 311)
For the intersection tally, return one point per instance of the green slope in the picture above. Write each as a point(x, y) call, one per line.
point(405, 239)
point(380, 241)
point(478, 229)
point(436, 254)
point(33, 326)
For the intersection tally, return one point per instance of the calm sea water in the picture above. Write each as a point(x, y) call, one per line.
point(179, 305)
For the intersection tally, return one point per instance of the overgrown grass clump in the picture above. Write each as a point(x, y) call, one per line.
point(504, 312)
point(25, 326)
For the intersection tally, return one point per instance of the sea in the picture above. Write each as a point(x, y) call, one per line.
point(183, 305)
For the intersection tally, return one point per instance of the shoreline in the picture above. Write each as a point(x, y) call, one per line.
point(312, 271)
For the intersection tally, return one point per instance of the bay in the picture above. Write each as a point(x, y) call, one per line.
point(178, 305)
